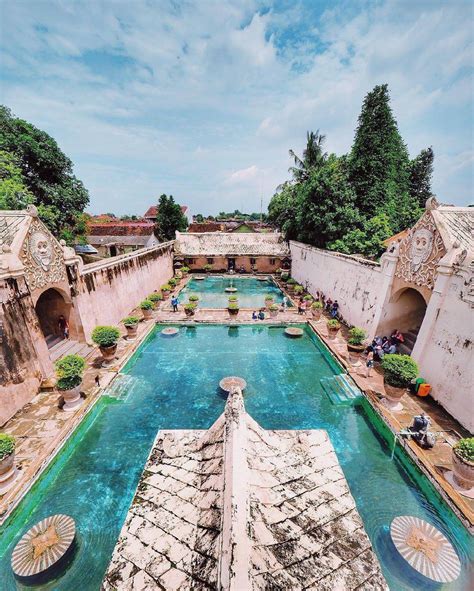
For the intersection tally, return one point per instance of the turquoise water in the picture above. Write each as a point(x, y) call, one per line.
point(250, 291)
point(173, 383)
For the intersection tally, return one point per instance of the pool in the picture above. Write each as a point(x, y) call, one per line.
point(172, 383)
point(250, 291)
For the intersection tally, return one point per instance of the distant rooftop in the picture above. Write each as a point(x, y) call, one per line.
point(152, 211)
point(225, 243)
point(143, 228)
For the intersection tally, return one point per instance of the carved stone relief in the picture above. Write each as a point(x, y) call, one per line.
point(420, 253)
point(42, 258)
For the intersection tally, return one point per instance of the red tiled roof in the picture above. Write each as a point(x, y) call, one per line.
point(122, 229)
point(153, 210)
point(206, 227)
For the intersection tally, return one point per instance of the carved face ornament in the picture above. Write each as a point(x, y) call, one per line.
point(421, 247)
point(41, 250)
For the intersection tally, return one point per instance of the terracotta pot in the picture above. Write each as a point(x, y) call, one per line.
point(463, 471)
point(166, 294)
point(7, 472)
point(393, 396)
point(333, 332)
point(6, 464)
point(316, 313)
point(189, 312)
point(233, 312)
point(290, 287)
point(147, 314)
point(273, 313)
point(108, 353)
point(72, 398)
point(356, 348)
point(269, 303)
point(131, 331)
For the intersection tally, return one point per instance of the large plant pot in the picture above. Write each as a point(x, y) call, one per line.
point(269, 303)
point(463, 471)
point(108, 353)
point(189, 313)
point(316, 313)
point(132, 330)
point(232, 312)
point(72, 398)
point(166, 294)
point(393, 396)
point(355, 348)
point(333, 332)
point(147, 314)
point(273, 313)
point(8, 473)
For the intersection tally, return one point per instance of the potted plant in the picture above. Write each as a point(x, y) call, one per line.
point(298, 289)
point(154, 298)
point(207, 268)
point(69, 372)
point(290, 284)
point(463, 462)
point(269, 300)
point(173, 282)
point(356, 339)
point(7, 461)
point(194, 299)
point(308, 298)
point(284, 276)
point(184, 271)
point(190, 309)
point(131, 324)
point(333, 327)
point(399, 371)
point(273, 310)
point(233, 309)
point(147, 308)
point(106, 338)
point(166, 290)
point(316, 310)
point(233, 299)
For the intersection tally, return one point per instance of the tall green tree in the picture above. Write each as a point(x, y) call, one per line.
point(313, 157)
point(169, 219)
point(14, 194)
point(47, 172)
point(421, 171)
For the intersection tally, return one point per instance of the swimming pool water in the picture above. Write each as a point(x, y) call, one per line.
point(250, 291)
point(172, 383)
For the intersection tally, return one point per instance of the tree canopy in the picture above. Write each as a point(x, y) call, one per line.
point(169, 219)
point(46, 172)
point(352, 203)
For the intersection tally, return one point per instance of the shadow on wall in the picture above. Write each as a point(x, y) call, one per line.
point(405, 311)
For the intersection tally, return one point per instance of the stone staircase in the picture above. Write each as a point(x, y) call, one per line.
point(410, 337)
point(340, 389)
point(60, 347)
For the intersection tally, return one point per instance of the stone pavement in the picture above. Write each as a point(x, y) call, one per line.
point(239, 507)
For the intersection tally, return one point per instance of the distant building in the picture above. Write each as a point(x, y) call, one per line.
point(238, 226)
point(118, 237)
point(152, 212)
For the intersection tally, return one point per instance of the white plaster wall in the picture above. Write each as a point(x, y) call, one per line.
point(109, 290)
point(359, 285)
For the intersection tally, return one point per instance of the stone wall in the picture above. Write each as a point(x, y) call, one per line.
point(106, 291)
point(359, 285)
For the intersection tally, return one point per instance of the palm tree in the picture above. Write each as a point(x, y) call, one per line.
point(313, 156)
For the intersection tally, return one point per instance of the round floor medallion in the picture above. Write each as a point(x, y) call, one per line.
point(43, 546)
point(230, 383)
point(170, 331)
point(293, 331)
point(425, 548)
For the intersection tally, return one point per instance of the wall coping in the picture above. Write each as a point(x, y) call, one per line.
point(339, 255)
point(121, 258)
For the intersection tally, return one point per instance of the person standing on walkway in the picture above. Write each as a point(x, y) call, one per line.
point(174, 303)
point(63, 327)
point(369, 364)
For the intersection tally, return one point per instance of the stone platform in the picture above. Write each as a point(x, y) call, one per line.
point(239, 507)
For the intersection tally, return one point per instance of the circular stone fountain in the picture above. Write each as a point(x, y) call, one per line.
point(230, 383)
point(170, 331)
point(230, 289)
point(43, 546)
point(199, 277)
point(293, 331)
point(259, 278)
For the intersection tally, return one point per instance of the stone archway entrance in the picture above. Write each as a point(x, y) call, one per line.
point(49, 307)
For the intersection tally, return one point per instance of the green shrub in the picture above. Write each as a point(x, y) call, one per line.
point(464, 448)
point(146, 305)
point(274, 308)
point(207, 267)
point(131, 320)
point(308, 298)
point(269, 297)
point(399, 370)
point(333, 324)
point(105, 336)
point(69, 371)
point(173, 282)
point(356, 336)
point(155, 297)
point(7, 445)
point(184, 269)
point(291, 281)
point(190, 306)
point(166, 287)
point(193, 297)
point(317, 306)
point(233, 298)
point(233, 306)
point(284, 276)
point(299, 289)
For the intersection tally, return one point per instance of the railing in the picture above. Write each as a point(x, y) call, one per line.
point(121, 258)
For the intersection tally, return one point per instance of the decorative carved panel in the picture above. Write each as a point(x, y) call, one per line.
point(420, 253)
point(42, 258)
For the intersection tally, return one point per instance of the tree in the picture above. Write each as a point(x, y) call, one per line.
point(199, 218)
point(14, 194)
point(378, 162)
point(169, 219)
point(367, 240)
point(47, 172)
point(313, 157)
point(283, 208)
point(421, 171)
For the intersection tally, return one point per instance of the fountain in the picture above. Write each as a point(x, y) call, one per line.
point(231, 288)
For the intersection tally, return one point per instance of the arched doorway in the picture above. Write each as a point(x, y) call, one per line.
point(49, 307)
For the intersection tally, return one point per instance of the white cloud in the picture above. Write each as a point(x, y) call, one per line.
point(243, 176)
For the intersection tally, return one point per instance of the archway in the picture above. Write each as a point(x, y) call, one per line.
point(49, 307)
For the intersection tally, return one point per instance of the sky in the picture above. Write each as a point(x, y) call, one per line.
point(203, 99)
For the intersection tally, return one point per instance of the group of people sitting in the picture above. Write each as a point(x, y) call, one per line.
point(260, 315)
point(381, 346)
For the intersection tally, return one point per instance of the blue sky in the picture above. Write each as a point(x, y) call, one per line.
point(202, 99)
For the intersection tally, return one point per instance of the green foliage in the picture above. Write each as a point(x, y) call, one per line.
point(291, 281)
point(207, 267)
point(155, 297)
point(46, 171)
point(7, 445)
point(333, 324)
point(464, 448)
point(185, 269)
point(105, 336)
point(146, 305)
point(166, 287)
point(356, 336)
point(317, 306)
point(69, 371)
point(298, 289)
point(173, 282)
point(233, 306)
point(169, 219)
point(233, 298)
point(308, 298)
point(193, 297)
point(367, 240)
point(14, 194)
point(190, 306)
point(274, 308)
point(399, 370)
point(269, 297)
point(421, 171)
point(313, 157)
point(131, 320)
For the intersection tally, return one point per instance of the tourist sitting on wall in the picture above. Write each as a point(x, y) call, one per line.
point(241, 270)
point(254, 315)
point(389, 347)
point(328, 305)
point(261, 315)
point(397, 337)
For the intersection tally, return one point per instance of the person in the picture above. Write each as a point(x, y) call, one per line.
point(335, 309)
point(97, 380)
point(174, 303)
point(300, 306)
point(241, 270)
point(419, 430)
point(284, 303)
point(261, 315)
point(63, 327)
point(328, 304)
point(254, 315)
point(304, 305)
point(389, 348)
point(397, 337)
point(369, 364)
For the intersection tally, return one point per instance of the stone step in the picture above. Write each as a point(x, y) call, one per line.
point(69, 347)
point(340, 389)
point(403, 349)
point(52, 340)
